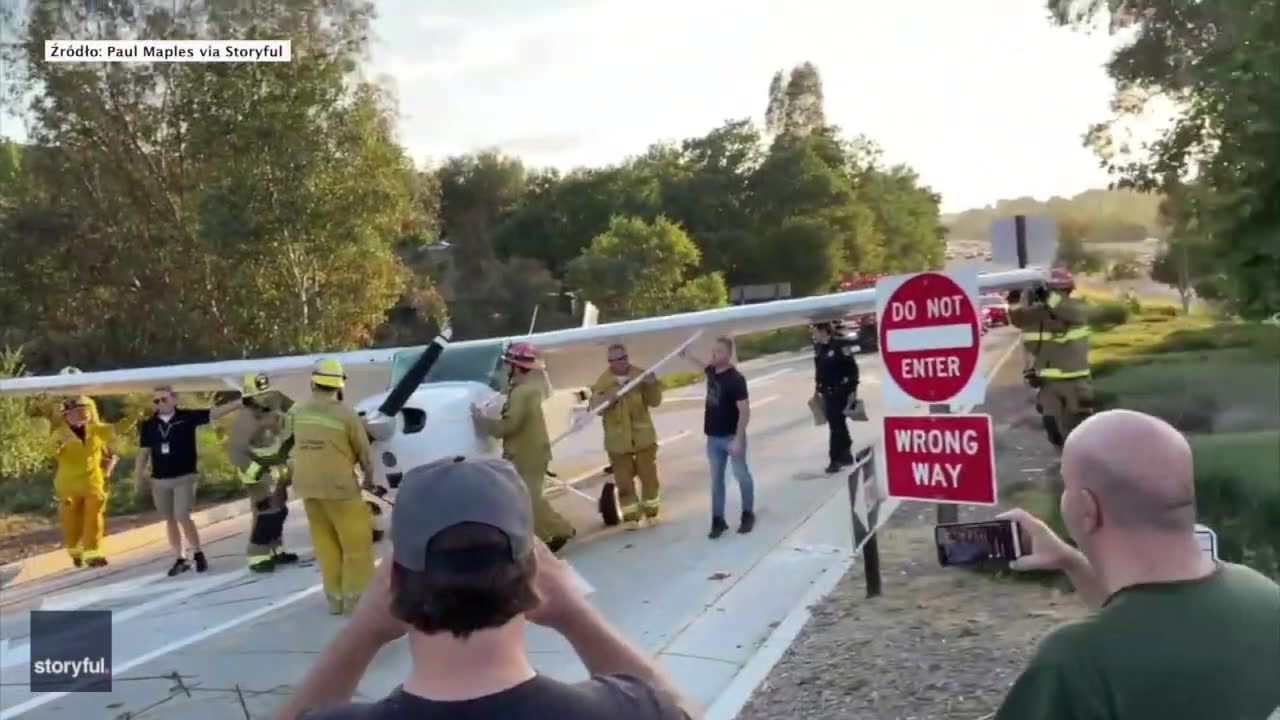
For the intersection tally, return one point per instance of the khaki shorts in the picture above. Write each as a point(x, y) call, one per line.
point(174, 496)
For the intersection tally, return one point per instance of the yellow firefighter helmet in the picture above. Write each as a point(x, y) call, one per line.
point(254, 384)
point(328, 373)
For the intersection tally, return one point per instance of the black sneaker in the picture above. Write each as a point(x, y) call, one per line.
point(284, 558)
point(748, 522)
point(201, 563)
point(98, 562)
point(77, 562)
point(833, 468)
point(179, 566)
point(718, 526)
point(264, 566)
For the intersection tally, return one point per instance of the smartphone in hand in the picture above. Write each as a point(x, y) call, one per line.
point(976, 543)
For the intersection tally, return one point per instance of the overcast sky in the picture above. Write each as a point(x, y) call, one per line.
point(985, 99)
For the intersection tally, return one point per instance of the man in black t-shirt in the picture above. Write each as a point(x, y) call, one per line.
point(466, 572)
point(724, 422)
point(167, 443)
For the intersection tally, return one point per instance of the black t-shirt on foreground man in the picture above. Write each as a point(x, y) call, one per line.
point(465, 575)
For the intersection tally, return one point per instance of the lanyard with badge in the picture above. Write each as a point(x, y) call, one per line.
point(165, 428)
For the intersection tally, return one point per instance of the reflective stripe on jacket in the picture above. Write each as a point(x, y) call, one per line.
point(628, 426)
point(329, 441)
point(1057, 333)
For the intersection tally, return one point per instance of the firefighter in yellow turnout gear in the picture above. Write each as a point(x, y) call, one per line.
point(256, 446)
point(525, 444)
point(329, 442)
point(80, 445)
point(1056, 330)
point(630, 439)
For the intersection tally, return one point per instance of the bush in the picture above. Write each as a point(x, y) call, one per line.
point(1238, 497)
point(1124, 270)
point(775, 341)
point(674, 380)
point(1107, 315)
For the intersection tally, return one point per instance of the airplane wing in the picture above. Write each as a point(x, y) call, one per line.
point(575, 357)
point(368, 372)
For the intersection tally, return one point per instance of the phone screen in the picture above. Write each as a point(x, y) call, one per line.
point(979, 542)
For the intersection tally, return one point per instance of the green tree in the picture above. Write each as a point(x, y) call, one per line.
point(908, 233)
point(1072, 252)
point(22, 437)
point(640, 269)
point(708, 194)
point(478, 193)
point(796, 108)
point(253, 206)
point(1216, 60)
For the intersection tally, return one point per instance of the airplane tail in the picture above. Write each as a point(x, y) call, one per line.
point(590, 314)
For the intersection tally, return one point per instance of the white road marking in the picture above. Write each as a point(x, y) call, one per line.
point(936, 337)
point(22, 653)
point(80, 597)
point(762, 401)
point(769, 377)
point(120, 669)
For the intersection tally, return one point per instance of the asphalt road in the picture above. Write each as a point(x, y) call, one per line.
point(229, 645)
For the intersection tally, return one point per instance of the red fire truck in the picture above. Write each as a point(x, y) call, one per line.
point(862, 327)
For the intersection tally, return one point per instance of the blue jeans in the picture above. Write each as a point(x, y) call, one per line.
point(718, 455)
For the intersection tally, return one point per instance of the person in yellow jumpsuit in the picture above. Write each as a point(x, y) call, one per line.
point(80, 445)
point(525, 444)
point(328, 443)
point(630, 439)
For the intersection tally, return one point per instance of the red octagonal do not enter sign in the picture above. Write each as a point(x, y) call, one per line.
point(930, 338)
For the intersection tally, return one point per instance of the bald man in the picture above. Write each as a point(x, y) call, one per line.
point(1175, 635)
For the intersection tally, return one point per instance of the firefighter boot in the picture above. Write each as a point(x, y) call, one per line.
point(280, 557)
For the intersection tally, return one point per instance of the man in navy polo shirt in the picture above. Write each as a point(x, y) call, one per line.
point(167, 443)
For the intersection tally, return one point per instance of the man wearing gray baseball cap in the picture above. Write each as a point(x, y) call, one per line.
point(466, 573)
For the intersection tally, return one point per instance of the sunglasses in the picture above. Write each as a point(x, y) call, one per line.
point(620, 358)
point(159, 401)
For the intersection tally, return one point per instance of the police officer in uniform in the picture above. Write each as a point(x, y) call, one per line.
point(1056, 330)
point(836, 384)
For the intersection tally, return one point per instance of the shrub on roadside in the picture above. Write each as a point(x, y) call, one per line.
point(775, 341)
point(1238, 497)
point(1109, 314)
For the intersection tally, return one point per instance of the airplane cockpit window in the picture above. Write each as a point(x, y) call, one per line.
point(480, 363)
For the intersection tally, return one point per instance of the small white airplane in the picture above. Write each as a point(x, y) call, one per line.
point(416, 401)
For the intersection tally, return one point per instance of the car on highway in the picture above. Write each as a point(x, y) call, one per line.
point(995, 310)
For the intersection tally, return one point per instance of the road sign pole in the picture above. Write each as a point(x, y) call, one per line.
point(947, 513)
point(863, 468)
point(1020, 237)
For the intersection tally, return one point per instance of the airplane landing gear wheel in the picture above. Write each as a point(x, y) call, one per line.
point(608, 504)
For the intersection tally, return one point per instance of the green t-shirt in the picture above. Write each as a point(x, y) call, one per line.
point(1204, 649)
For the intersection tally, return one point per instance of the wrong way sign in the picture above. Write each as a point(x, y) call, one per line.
point(940, 458)
point(930, 338)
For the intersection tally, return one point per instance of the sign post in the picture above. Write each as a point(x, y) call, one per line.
point(946, 459)
point(930, 339)
point(1022, 240)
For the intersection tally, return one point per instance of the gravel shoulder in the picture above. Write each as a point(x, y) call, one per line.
point(938, 643)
